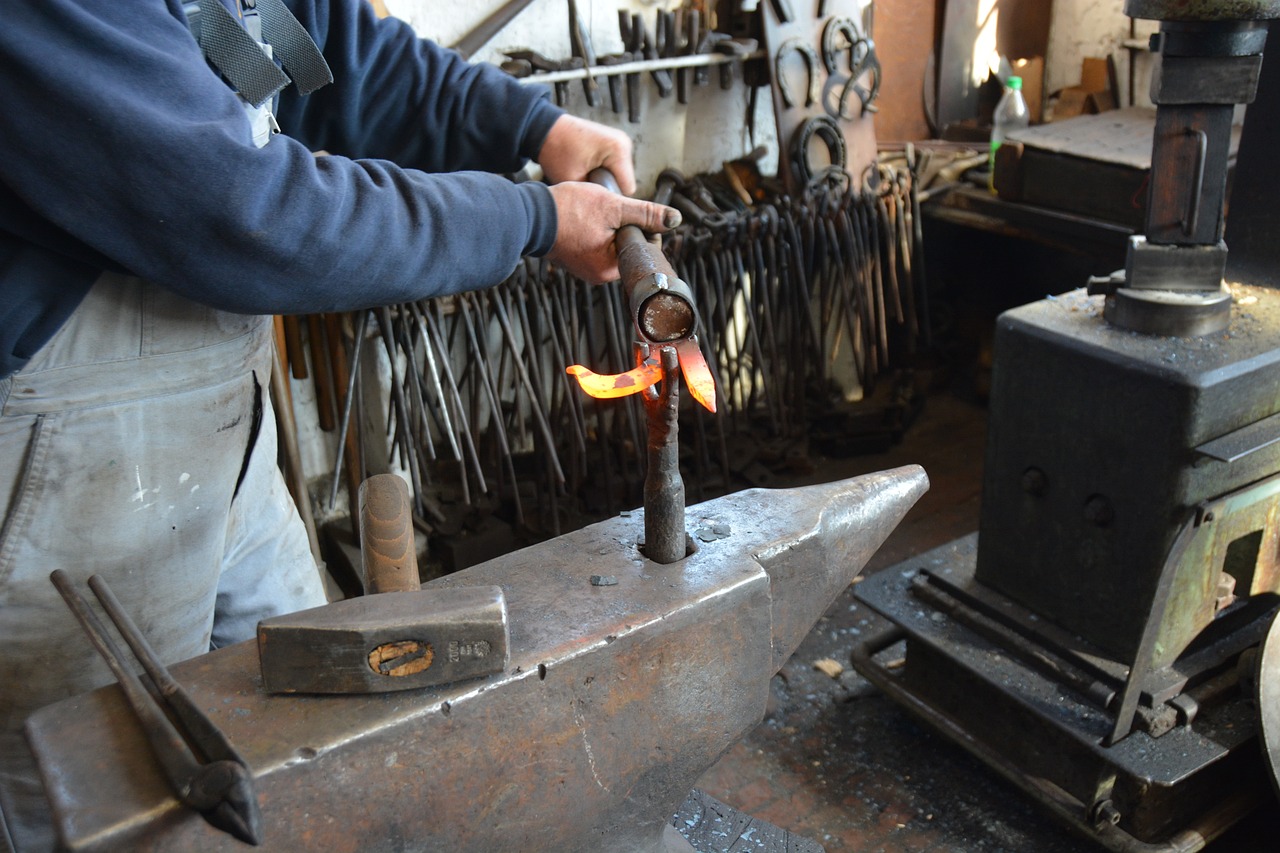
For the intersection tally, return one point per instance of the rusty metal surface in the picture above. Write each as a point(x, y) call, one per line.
point(664, 527)
point(615, 700)
point(1203, 10)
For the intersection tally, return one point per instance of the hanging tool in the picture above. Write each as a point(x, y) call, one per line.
point(654, 50)
point(517, 58)
point(738, 48)
point(489, 27)
point(201, 766)
point(782, 8)
point(580, 40)
point(632, 32)
point(395, 637)
point(615, 81)
point(812, 64)
point(685, 44)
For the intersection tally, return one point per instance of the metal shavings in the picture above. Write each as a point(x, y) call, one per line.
point(712, 532)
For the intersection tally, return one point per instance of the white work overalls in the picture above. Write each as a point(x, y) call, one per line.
point(121, 446)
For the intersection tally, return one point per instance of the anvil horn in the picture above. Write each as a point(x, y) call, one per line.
point(616, 699)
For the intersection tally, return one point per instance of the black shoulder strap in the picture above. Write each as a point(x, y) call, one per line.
point(295, 47)
point(239, 58)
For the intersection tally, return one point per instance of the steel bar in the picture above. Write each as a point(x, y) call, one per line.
point(326, 404)
point(353, 371)
point(398, 421)
point(664, 530)
point(484, 32)
point(431, 322)
point(480, 357)
point(526, 380)
point(432, 369)
point(287, 428)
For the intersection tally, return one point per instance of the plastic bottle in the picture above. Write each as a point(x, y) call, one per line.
point(1011, 114)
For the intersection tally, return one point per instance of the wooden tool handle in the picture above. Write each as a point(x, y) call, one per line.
point(387, 553)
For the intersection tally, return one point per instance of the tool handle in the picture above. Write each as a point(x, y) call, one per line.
point(662, 312)
point(387, 553)
point(489, 27)
point(171, 751)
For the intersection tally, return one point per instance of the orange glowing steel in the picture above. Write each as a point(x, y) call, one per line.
point(696, 373)
point(606, 386)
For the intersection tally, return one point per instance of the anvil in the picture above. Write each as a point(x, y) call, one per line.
point(616, 698)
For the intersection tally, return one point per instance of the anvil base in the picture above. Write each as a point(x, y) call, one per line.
point(992, 690)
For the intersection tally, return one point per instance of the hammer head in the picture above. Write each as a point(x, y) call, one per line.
point(388, 641)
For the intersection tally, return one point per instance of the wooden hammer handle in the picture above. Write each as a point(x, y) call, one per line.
point(387, 552)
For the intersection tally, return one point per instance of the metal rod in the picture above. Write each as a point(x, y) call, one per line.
point(489, 27)
point(352, 371)
point(693, 61)
point(664, 533)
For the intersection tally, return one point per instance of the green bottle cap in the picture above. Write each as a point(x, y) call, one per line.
point(1014, 83)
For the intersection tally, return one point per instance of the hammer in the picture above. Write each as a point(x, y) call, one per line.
point(395, 637)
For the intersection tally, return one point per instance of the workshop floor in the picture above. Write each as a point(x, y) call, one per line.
point(836, 761)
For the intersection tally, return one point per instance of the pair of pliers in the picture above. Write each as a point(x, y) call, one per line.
point(217, 782)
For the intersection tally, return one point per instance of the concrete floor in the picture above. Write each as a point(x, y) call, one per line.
point(838, 762)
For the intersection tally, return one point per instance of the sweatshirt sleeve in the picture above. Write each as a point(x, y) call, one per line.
point(120, 135)
point(401, 98)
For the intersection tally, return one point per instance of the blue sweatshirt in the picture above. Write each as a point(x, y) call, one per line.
point(122, 149)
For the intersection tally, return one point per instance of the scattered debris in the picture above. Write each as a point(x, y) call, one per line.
point(829, 667)
point(604, 580)
point(712, 532)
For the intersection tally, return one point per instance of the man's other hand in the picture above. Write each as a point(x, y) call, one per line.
point(588, 217)
point(575, 146)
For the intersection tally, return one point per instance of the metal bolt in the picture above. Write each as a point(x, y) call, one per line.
point(1104, 814)
point(1098, 510)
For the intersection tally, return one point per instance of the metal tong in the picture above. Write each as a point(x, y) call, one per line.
point(203, 768)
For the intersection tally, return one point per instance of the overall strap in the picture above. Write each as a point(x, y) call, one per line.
point(236, 52)
point(294, 45)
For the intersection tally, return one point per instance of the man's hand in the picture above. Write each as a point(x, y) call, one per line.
point(574, 147)
point(588, 216)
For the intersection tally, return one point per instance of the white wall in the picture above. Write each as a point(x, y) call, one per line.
point(1081, 28)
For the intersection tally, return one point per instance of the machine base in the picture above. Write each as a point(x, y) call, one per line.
point(981, 678)
point(1168, 312)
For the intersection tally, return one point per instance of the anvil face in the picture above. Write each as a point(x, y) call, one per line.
point(616, 698)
